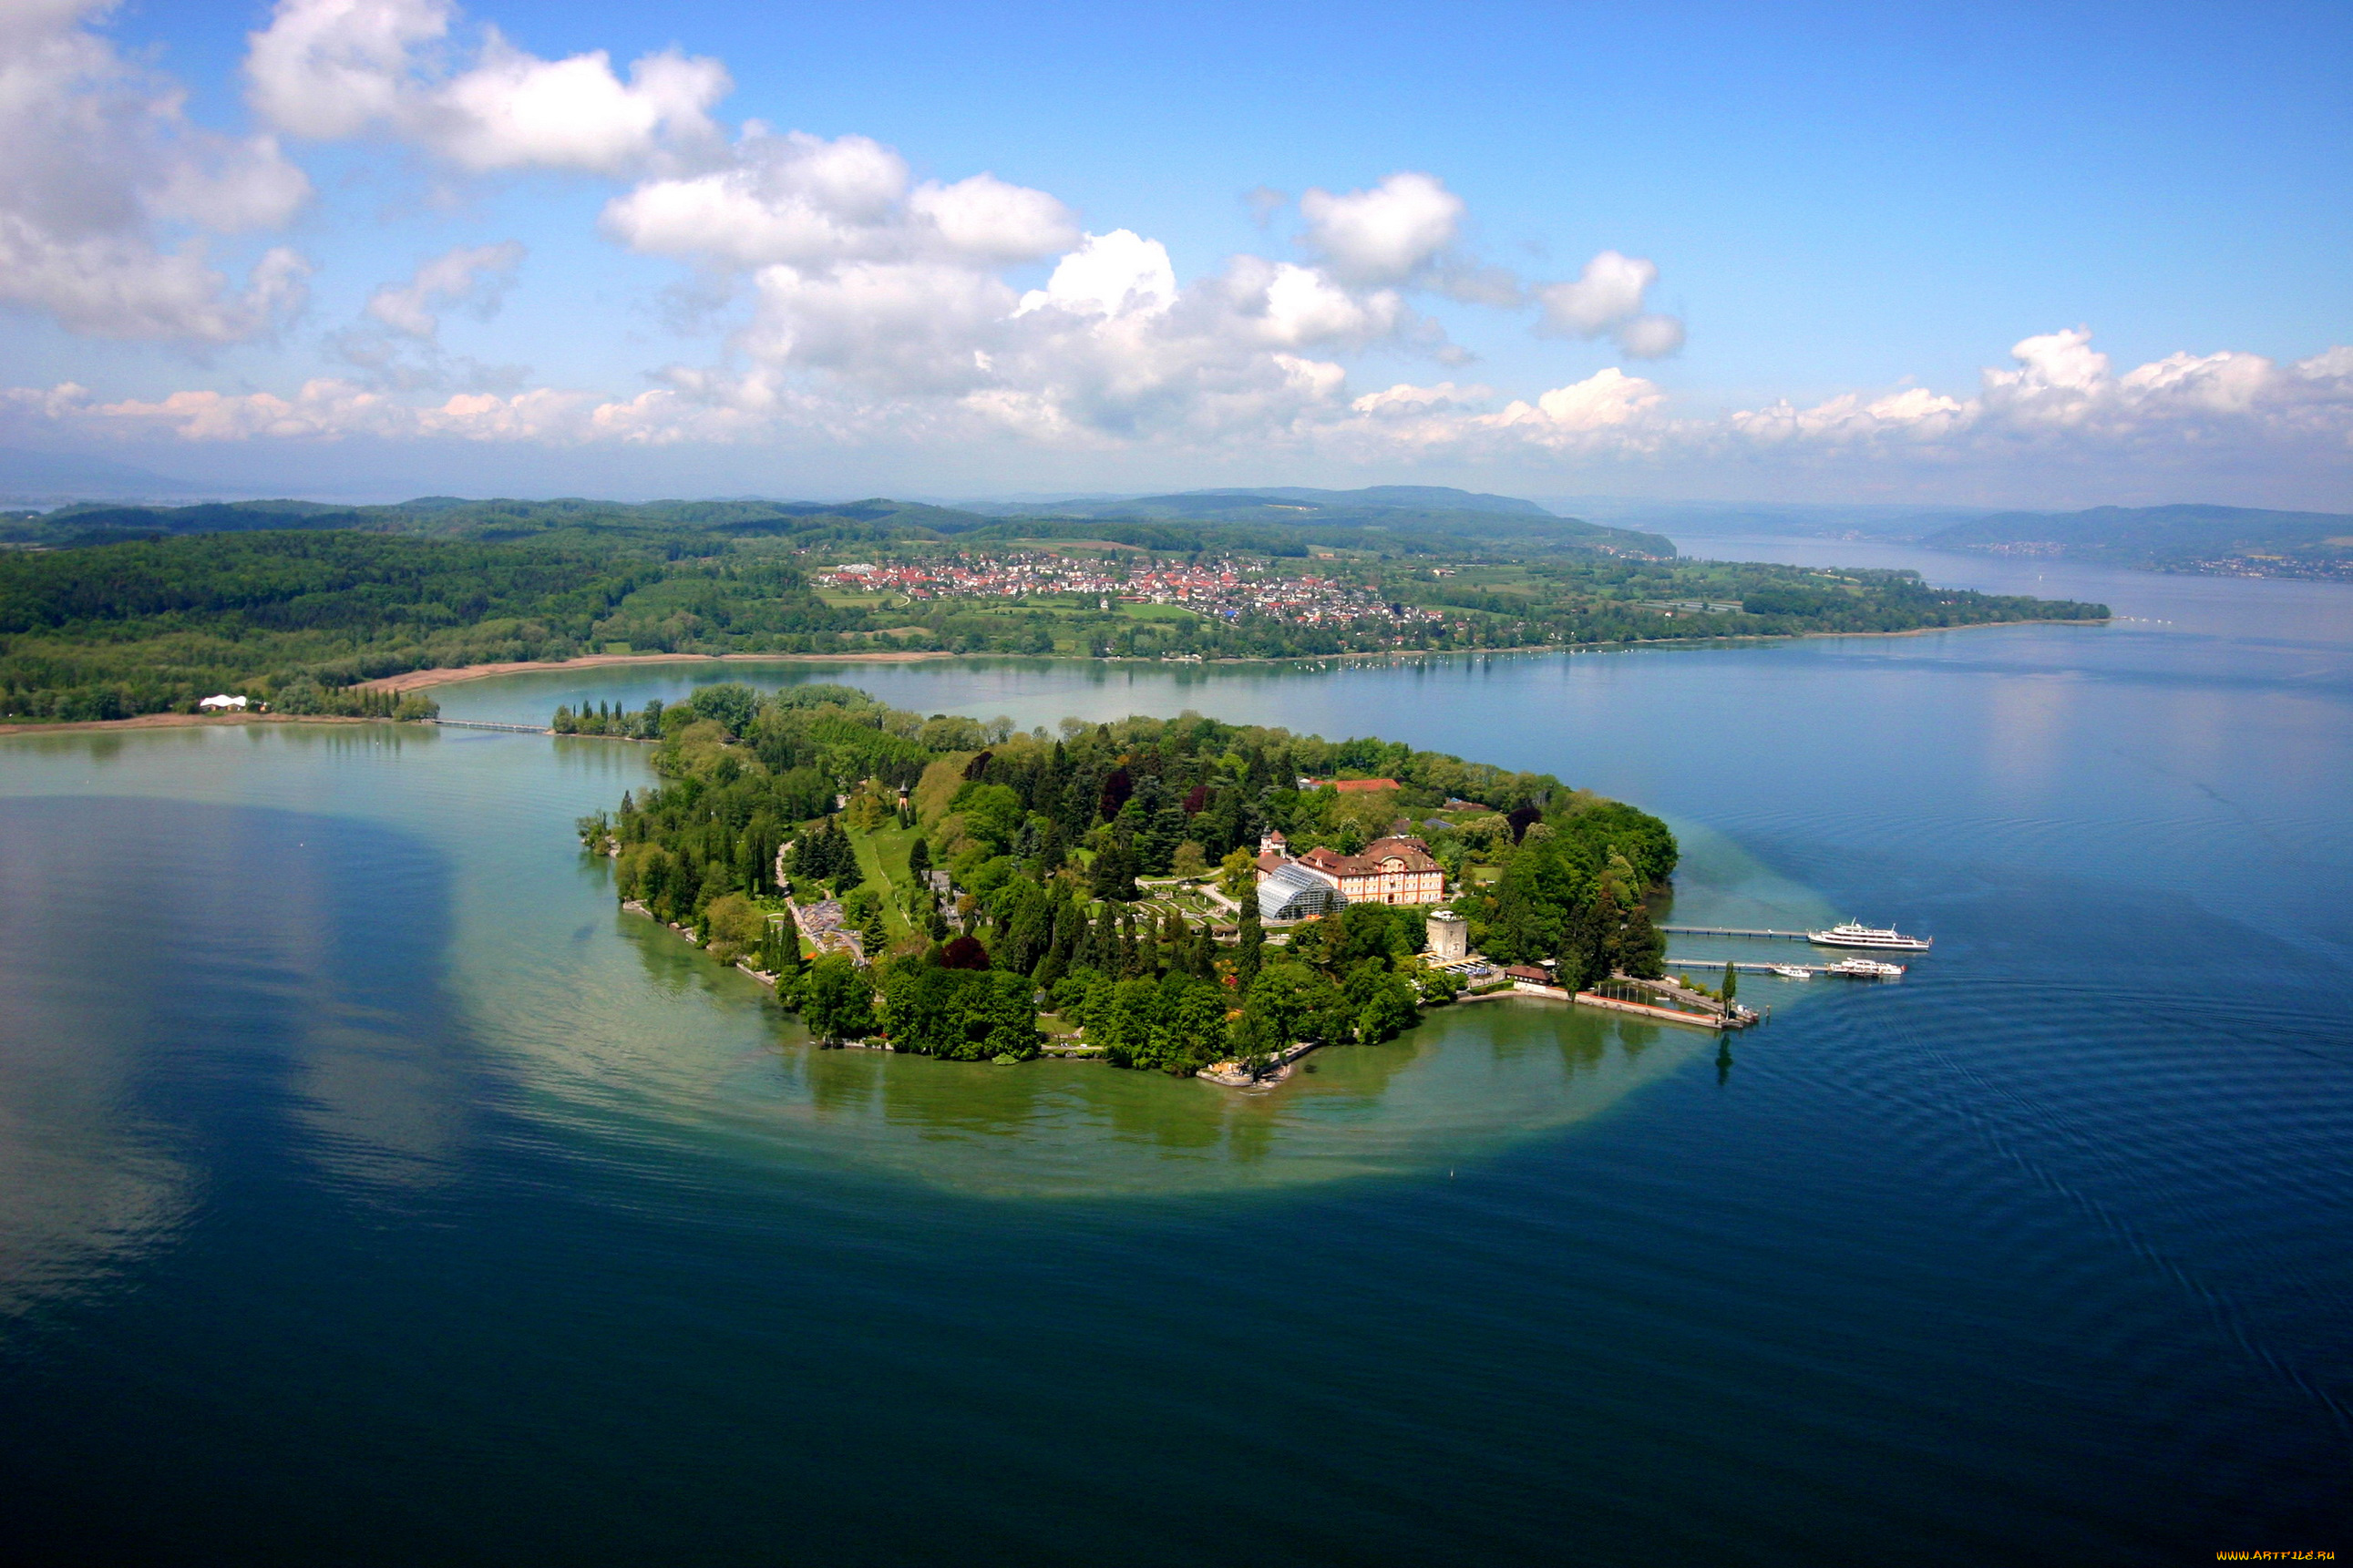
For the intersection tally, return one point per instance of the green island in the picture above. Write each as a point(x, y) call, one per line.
point(976, 893)
point(108, 612)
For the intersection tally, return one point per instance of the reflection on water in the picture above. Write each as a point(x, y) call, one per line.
point(1471, 1080)
point(381, 1192)
point(172, 971)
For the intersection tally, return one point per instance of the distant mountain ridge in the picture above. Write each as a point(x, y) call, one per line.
point(2242, 540)
point(1398, 521)
point(53, 476)
point(1411, 518)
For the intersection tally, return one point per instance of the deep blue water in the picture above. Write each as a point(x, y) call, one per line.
point(372, 1193)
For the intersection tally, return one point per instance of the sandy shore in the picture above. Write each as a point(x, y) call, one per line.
point(181, 720)
point(418, 679)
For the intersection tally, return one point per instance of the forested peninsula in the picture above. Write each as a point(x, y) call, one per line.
point(108, 612)
point(924, 882)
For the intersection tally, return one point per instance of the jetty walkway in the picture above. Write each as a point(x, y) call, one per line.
point(1735, 931)
point(481, 724)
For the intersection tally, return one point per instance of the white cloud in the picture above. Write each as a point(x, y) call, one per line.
point(1198, 381)
point(474, 275)
point(1384, 234)
point(1650, 336)
point(1110, 273)
point(985, 218)
point(1607, 299)
point(327, 69)
point(897, 328)
point(107, 189)
point(807, 202)
point(1405, 399)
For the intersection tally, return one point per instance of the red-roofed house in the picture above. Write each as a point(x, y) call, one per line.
point(1396, 870)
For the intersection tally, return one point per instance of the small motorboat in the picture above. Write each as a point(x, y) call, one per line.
point(1793, 971)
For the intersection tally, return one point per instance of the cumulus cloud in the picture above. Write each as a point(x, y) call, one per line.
point(1387, 234)
point(327, 69)
point(807, 201)
point(1188, 379)
point(472, 276)
point(1107, 275)
point(865, 285)
point(1606, 299)
point(108, 194)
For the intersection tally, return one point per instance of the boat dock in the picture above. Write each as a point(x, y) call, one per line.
point(481, 724)
point(1735, 931)
point(1712, 1022)
point(1702, 966)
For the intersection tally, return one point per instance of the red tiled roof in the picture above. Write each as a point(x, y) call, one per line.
point(1413, 852)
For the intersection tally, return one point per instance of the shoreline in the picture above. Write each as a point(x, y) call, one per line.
point(419, 680)
point(185, 721)
point(423, 680)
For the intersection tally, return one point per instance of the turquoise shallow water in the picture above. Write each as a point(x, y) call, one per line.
point(371, 1191)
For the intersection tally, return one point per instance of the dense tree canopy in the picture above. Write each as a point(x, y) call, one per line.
point(1044, 839)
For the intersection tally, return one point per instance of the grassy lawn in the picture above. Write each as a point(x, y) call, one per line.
point(882, 856)
point(1158, 612)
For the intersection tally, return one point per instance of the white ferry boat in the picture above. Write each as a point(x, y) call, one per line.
point(1853, 933)
point(1864, 969)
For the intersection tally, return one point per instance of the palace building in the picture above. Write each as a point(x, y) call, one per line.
point(1394, 871)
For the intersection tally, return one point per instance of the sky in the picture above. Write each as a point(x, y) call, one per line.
point(2049, 256)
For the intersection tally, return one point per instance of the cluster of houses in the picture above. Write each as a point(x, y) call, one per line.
point(821, 923)
point(1221, 588)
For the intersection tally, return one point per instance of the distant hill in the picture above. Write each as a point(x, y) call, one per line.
point(2238, 541)
point(503, 521)
point(1260, 497)
point(1418, 498)
point(1280, 523)
point(1412, 519)
point(57, 476)
point(1892, 522)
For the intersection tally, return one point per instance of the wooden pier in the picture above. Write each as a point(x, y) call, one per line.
point(1712, 1022)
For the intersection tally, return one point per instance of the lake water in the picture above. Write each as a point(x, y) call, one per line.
point(372, 1191)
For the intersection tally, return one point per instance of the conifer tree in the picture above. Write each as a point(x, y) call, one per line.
point(1251, 954)
point(1104, 949)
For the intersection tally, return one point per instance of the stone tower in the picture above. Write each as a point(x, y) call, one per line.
point(1450, 937)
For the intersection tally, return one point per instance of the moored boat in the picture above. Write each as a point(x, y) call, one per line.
point(1864, 969)
point(1853, 933)
point(1793, 971)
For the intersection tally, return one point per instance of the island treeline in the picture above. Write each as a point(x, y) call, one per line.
point(980, 868)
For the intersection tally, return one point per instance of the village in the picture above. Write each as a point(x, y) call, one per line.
point(1220, 587)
